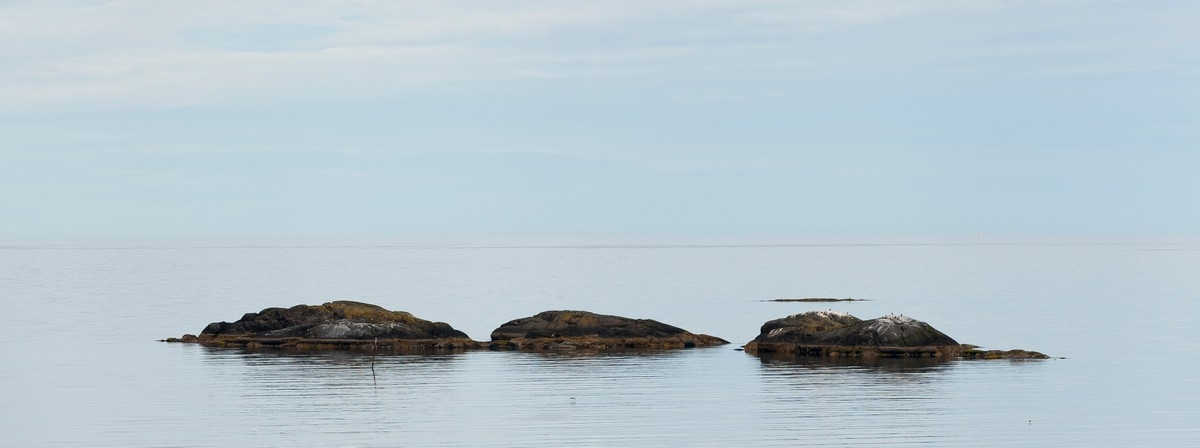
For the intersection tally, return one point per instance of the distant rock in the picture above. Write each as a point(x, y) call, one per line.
point(582, 330)
point(340, 324)
point(818, 299)
point(830, 333)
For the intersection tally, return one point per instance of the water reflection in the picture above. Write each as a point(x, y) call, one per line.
point(347, 358)
point(857, 400)
point(485, 398)
point(880, 364)
point(275, 381)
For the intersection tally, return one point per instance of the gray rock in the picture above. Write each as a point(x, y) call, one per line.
point(835, 328)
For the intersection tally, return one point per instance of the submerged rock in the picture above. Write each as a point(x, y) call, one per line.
point(340, 324)
point(583, 330)
point(830, 333)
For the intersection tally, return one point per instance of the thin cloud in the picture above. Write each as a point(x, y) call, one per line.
point(72, 55)
point(147, 54)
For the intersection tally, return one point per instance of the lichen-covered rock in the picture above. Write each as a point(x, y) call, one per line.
point(888, 331)
point(340, 324)
point(829, 333)
point(804, 328)
point(582, 330)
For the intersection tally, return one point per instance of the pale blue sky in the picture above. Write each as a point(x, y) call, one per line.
point(216, 119)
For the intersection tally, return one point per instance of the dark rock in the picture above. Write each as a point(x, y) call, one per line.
point(340, 324)
point(187, 338)
point(582, 330)
point(828, 333)
point(888, 331)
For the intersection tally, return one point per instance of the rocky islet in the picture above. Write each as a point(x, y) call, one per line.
point(361, 326)
point(334, 325)
point(836, 334)
point(583, 330)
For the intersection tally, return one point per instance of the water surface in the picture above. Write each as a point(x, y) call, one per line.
point(82, 366)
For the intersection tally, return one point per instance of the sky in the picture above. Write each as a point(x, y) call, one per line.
point(413, 119)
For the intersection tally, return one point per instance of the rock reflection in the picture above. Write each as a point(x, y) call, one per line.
point(330, 358)
point(878, 364)
point(611, 354)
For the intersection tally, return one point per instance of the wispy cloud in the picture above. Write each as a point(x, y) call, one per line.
point(152, 54)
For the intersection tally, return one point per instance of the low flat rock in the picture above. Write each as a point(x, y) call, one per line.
point(334, 325)
point(583, 330)
point(831, 333)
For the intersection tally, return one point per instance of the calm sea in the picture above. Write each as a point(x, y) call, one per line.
point(82, 365)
